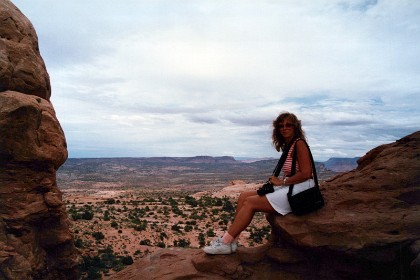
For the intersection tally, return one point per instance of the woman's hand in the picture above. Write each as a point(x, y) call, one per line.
point(276, 181)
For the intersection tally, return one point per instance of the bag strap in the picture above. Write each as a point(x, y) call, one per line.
point(281, 161)
point(289, 193)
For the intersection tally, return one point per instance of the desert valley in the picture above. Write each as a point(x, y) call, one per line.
point(123, 209)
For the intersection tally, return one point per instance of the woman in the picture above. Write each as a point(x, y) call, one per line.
point(287, 132)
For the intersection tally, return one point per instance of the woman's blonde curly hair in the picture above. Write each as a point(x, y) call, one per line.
point(278, 140)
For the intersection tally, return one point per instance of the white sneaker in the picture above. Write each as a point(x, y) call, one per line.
point(217, 247)
point(234, 246)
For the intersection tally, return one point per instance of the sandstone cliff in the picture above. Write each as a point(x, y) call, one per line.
point(35, 241)
point(368, 229)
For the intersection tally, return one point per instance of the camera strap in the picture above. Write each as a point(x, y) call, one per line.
point(281, 161)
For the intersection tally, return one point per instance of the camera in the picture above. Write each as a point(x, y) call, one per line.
point(268, 187)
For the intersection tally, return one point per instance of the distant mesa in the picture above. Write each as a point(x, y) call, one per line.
point(341, 164)
point(195, 159)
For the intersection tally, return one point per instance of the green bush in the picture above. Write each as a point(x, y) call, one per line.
point(201, 239)
point(210, 233)
point(181, 243)
point(110, 201)
point(87, 215)
point(127, 260)
point(176, 228)
point(161, 244)
point(114, 224)
point(78, 243)
point(145, 242)
point(191, 201)
point(98, 235)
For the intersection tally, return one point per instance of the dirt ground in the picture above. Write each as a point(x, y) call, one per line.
point(136, 222)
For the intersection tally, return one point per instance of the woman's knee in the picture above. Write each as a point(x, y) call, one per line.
point(248, 203)
point(243, 196)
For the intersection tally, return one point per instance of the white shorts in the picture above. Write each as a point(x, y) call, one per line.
point(278, 198)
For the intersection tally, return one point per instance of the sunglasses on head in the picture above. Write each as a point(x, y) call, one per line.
point(286, 125)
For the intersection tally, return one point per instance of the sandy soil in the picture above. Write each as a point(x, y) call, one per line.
point(157, 212)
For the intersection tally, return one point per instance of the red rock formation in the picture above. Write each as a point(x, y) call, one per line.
point(35, 241)
point(368, 229)
point(372, 215)
point(22, 68)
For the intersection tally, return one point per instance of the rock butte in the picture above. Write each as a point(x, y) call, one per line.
point(35, 240)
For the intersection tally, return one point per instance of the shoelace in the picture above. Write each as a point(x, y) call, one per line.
point(215, 243)
point(219, 242)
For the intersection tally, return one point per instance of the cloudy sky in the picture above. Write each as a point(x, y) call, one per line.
point(185, 78)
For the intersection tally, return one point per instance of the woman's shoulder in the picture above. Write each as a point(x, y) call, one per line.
point(301, 143)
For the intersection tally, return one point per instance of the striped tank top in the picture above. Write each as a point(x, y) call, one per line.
point(287, 167)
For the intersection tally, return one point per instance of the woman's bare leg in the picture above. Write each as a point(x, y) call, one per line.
point(242, 198)
point(246, 211)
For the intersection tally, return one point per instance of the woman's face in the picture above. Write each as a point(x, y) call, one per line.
point(287, 129)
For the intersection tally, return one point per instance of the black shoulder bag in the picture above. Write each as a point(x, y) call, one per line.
point(308, 200)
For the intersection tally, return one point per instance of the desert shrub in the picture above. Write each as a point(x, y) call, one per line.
point(163, 235)
point(127, 260)
point(227, 205)
point(92, 267)
point(188, 228)
point(206, 201)
point(201, 239)
point(203, 216)
point(98, 235)
point(106, 218)
point(194, 216)
point(222, 222)
point(76, 216)
point(85, 212)
point(93, 273)
point(218, 201)
point(114, 224)
point(258, 235)
point(193, 223)
point(110, 201)
point(87, 215)
point(78, 243)
point(139, 225)
point(191, 201)
point(215, 211)
point(145, 242)
point(161, 244)
point(181, 243)
point(176, 210)
point(210, 233)
point(172, 201)
point(176, 227)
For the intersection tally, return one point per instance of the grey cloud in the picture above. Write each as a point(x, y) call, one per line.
point(350, 72)
point(203, 119)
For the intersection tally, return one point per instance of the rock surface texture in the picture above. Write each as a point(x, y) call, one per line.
point(369, 229)
point(35, 240)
